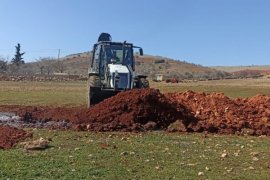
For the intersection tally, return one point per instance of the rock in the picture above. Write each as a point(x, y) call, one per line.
point(200, 174)
point(124, 153)
point(150, 125)
point(39, 144)
point(177, 126)
point(223, 155)
point(247, 131)
point(254, 153)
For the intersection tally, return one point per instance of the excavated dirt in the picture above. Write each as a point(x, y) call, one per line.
point(148, 109)
point(9, 136)
point(132, 110)
point(127, 111)
point(220, 114)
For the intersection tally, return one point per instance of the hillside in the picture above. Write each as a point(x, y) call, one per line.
point(77, 64)
point(152, 65)
point(253, 71)
point(231, 69)
point(149, 65)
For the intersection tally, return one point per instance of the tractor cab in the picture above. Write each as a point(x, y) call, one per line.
point(118, 53)
point(112, 68)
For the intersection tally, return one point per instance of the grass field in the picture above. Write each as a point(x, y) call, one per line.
point(152, 155)
point(74, 93)
point(43, 93)
point(233, 88)
point(155, 155)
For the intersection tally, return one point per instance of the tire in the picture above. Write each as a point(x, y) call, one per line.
point(93, 81)
point(143, 83)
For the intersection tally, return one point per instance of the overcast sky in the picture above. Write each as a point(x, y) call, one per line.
point(206, 32)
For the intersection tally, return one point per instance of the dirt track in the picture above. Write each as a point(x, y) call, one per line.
point(148, 109)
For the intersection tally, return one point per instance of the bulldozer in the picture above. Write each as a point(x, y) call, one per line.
point(112, 69)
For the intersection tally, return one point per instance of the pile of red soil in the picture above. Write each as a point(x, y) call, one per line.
point(132, 110)
point(9, 136)
point(127, 111)
point(220, 114)
point(145, 109)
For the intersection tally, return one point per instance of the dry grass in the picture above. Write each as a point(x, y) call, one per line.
point(233, 87)
point(43, 93)
point(74, 93)
point(239, 68)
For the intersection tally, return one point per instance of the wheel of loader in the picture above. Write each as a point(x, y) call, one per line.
point(93, 81)
point(144, 83)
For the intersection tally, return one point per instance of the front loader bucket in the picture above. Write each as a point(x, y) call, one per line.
point(97, 95)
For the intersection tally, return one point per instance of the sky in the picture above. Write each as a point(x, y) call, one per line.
point(205, 32)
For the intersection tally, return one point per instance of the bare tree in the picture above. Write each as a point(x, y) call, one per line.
point(3, 65)
point(40, 64)
point(60, 66)
point(46, 65)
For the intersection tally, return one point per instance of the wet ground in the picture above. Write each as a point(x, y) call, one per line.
point(12, 120)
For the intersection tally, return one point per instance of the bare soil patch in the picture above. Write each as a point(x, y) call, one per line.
point(9, 136)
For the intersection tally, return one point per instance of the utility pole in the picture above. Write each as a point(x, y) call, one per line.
point(58, 60)
point(58, 55)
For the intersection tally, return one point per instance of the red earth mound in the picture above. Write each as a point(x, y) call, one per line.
point(139, 110)
point(132, 110)
point(218, 113)
point(9, 136)
point(127, 111)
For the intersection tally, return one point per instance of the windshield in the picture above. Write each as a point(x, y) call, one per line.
point(114, 54)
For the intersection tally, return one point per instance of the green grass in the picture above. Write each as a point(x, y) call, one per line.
point(155, 155)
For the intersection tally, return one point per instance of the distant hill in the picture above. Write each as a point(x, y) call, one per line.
point(253, 71)
point(231, 69)
point(149, 65)
point(77, 64)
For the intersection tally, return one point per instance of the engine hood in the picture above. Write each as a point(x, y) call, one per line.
point(124, 76)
